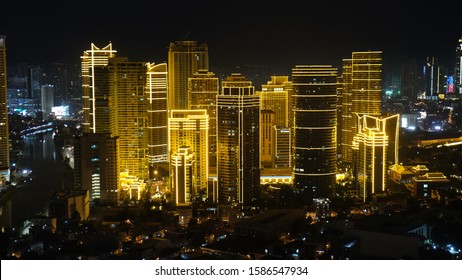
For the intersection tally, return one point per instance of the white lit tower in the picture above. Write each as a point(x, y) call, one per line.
point(156, 89)
point(91, 60)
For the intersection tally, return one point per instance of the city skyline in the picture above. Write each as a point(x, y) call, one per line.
point(278, 36)
point(351, 149)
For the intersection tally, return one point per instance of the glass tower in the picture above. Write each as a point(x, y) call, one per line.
point(315, 124)
point(184, 59)
point(238, 142)
point(362, 94)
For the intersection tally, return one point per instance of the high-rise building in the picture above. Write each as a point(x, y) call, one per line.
point(101, 115)
point(184, 59)
point(157, 115)
point(315, 124)
point(238, 142)
point(362, 94)
point(190, 128)
point(346, 125)
point(4, 133)
point(458, 68)
point(182, 175)
point(340, 90)
point(91, 59)
point(282, 147)
point(128, 100)
point(203, 88)
point(129, 104)
point(47, 101)
point(34, 80)
point(434, 79)
point(267, 138)
point(97, 166)
point(377, 146)
point(409, 79)
point(275, 96)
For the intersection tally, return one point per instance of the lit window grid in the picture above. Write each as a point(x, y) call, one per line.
point(184, 126)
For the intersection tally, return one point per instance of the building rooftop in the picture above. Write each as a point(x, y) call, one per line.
point(432, 177)
point(273, 220)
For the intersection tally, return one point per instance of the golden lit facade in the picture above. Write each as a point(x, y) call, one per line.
point(377, 147)
point(182, 175)
point(156, 90)
point(282, 147)
point(238, 142)
point(93, 104)
point(344, 117)
point(131, 187)
point(129, 104)
point(4, 142)
point(362, 94)
point(203, 89)
point(190, 128)
point(268, 137)
point(275, 96)
point(315, 124)
point(184, 59)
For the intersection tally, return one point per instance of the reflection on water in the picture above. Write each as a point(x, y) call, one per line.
point(41, 156)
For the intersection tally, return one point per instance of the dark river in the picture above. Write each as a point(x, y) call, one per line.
point(49, 173)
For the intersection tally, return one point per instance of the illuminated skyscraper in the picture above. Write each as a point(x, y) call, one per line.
point(182, 175)
point(377, 146)
point(203, 89)
point(275, 96)
point(157, 115)
point(282, 147)
point(458, 68)
point(184, 59)
point(129, 104)
point(4, 145)
point(434, 78)
point(346, 125)
point(362, 94)
point(267, 138)
point(190, 128)
point(340, 90)
point(90, 59)
point(315, 124)
point(238, 140)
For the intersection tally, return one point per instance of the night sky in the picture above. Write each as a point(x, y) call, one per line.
point(278, 35)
